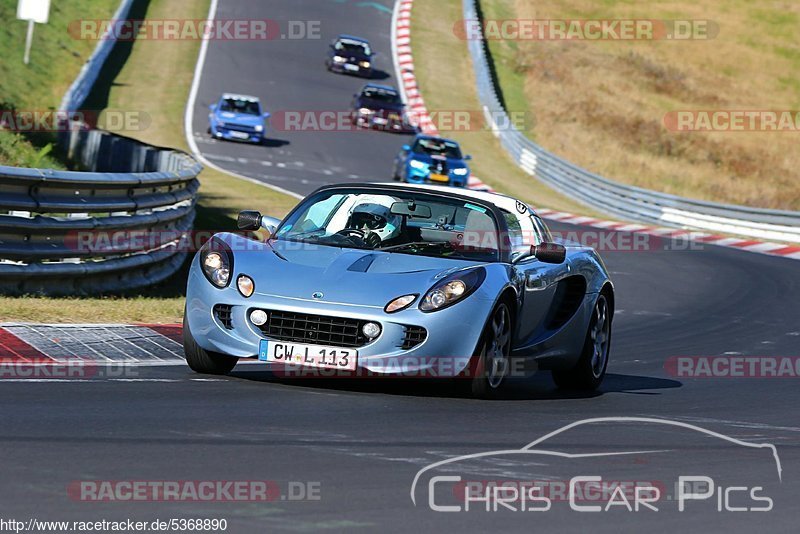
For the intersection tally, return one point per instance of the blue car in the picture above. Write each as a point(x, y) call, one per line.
point(401, 280)
point(238, 118)
point(432, 160)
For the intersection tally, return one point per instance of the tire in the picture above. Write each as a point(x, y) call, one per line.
point(203, 361)
point(490, 363)
point(588, 373)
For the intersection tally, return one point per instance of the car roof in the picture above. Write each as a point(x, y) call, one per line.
point(503, 202)
point(346, 37)
point(435, 137)
point(234, 96)
point(379, 86)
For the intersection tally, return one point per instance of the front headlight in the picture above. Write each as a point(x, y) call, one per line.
point(339, 59)
point(452, 289)
point(460, 172)
point(365, 111)
point(259, 128)
point(400, 303)
point(417, 165)
point(364, 64)
point(216, 262)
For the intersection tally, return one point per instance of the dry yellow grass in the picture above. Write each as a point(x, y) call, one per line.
point(444, 73)
point(601, 104)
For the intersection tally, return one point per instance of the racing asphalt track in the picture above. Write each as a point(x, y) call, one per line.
point(364, 442)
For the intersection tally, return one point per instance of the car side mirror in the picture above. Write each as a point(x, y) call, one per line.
point(266, 114)
point(544, 252)
point(407, 148)
point(252, 220)
point(549, 252)
point(212, 107)
point(467, 157)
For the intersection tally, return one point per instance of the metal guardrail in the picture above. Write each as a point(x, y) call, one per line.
point(120, 223)
point(67, 232)
point(625, 201)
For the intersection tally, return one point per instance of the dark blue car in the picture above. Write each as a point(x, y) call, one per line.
point(349, 54)
point(432, 160)
point(238, 118)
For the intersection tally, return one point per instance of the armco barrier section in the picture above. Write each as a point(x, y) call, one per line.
point(102, 230)
point(605, 195)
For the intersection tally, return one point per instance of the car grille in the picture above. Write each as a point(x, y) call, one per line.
point(414, 335)
point(317, 329)
point(238, 127)
point(440, 167)
point(224, 314)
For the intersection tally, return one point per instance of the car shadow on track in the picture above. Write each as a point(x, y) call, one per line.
point(538, 387)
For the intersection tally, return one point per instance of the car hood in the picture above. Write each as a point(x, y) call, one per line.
point(371, 103)
point(452, 163)
point(353, 56)
point(239, 118)
point(350, 276)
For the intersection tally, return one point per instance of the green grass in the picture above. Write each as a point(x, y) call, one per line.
point(39, 86)
point(130, 82)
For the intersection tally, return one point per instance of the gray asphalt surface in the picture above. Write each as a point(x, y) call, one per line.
point(364, 442)
point(289, 76)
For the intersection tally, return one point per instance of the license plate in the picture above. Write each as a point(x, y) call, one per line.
point(240, 135)
point(348, 66)
point(439, 178)
point(308, 355)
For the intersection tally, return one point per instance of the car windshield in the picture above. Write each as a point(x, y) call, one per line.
point(237, 105)
point(438, 147)
point(399, 222)
point(352, 47)
point(381, 95)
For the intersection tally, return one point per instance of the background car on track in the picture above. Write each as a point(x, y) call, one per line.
point(349, 54)
point(402, 280)
point(432, 160)
point(238, 118)
point(381, 107)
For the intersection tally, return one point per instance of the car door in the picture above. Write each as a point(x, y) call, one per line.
point(538, 280)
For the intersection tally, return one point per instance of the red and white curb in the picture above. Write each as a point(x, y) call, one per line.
point(404, 65)
point(98, 344)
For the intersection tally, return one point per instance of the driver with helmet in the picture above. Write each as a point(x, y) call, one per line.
point(373, 217)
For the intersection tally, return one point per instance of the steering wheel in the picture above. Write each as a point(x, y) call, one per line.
point(352, 232)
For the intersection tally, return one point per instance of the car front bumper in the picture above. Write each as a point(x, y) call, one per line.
point(340, 68)
point(229, 134)
point(452, 333)
point(422, 176)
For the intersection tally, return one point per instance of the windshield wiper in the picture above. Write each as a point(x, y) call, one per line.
point(416, 244)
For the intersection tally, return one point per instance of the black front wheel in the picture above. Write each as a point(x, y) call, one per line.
point(203, 361)
point(491, 361)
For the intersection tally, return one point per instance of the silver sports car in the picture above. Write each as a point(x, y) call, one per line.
point(401, 280)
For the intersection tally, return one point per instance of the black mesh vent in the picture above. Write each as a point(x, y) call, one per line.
point(315, 329)
point(223, 313)
point(414, 335)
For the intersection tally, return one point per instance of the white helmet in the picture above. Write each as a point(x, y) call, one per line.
point(374, 213)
